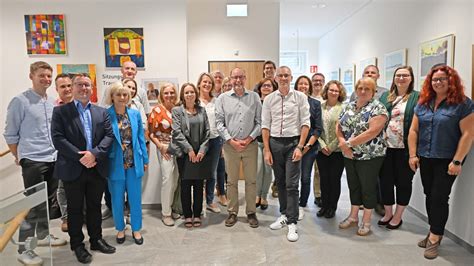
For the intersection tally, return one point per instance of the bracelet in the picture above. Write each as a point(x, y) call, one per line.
point(413, 156)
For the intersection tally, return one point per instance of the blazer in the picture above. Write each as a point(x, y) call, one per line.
point(69, 138)
point(140, 155)
point(180, 134)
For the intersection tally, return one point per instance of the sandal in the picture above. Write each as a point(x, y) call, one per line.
point(364, 229)
point(188, 222)
point(197, 222)
point(348, 222)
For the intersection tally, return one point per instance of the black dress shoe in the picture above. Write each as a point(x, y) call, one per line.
point(318, 201)
point(257, 204)
point(138, 241)
point(82, 255)
point(384, 223)
point(321, 212)
point(103, 247)
point(392, 227)
point(120, 240)
point(263, 206)
point(330, 213)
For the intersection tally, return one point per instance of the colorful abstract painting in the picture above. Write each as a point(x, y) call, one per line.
point(45, 34)
point(122, 45)
point(82, 68)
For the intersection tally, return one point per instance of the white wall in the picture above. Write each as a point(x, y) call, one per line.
point(164, 24)
point(302, 44)
point(213, 36)
point(384, 27)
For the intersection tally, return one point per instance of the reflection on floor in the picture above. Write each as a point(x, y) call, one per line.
point(321, 242)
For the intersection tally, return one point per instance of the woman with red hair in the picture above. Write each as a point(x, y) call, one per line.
point(440, 137)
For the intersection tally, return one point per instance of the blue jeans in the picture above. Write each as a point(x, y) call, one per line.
point(307, 163)
point(215, 147)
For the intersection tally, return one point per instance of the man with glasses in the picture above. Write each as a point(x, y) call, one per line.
point(28, 136)
point(318, 81)
point(371, 71)
point(285, 126)
point(238, 118)
point(82, 134)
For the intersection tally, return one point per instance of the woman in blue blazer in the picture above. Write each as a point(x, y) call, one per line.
point(128, 161)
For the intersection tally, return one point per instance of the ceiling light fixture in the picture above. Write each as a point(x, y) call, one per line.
point(319, 5)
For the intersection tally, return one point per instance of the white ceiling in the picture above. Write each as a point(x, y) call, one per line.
point(301, 18)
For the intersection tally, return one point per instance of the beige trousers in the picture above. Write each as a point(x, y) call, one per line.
point(248, 157)
point(316, 182)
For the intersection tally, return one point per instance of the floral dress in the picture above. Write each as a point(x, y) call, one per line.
point(354, 122)
point(125, 129)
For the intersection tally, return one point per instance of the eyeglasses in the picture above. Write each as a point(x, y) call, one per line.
point(267, 86)
point(436, 80)
point(87, 85)
point(363, 89)
point(284, 75)
point(399, 76)
point(238, 77)
point(334, 91)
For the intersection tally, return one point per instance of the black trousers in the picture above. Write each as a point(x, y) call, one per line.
point(396, 172)
point(33, 173)
point(90, 185)
point(330, 172)
point(195, 200)
point(437, 184)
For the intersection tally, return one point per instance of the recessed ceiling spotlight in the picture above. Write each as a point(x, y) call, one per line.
point(319, 5)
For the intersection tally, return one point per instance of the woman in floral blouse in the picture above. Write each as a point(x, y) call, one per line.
point(400, 102)
point(159, 125)
point(330, 160)
point(360, 136)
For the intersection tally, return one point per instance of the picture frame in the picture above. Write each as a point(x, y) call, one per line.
point(366, 62)
point(348, 78)
point(122, 45)
point(335, 74)
point(153, 85)
point(45, 34)
point(433, 52)
point(393, 60)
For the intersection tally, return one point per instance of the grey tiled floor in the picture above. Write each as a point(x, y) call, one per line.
point(321, 242)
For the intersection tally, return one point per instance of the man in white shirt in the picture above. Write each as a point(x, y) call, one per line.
point(285, 126)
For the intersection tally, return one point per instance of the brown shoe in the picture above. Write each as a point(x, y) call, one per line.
point(431, 251)
point(231, 220)
point(64, 227)
point(253, 221)
point(422, 243)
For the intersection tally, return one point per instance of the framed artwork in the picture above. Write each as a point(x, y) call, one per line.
point(334, 75)
point(153, 85)
point(124, 44)
point(437, 51)
point(366, 62)
point(45, 34)
point(392, 61)
point(348, 77)
point(82, 68)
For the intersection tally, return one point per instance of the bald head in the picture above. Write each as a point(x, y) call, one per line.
point(129, 70)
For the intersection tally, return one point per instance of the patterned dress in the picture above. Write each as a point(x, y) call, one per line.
point(125, 129)
point(160, 124)
point(354, 122)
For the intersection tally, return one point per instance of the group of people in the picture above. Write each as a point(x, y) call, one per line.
point(205, 131)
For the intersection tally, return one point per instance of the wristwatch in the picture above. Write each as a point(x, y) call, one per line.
point(349, 144)
point(456, 162)
point(309, 146)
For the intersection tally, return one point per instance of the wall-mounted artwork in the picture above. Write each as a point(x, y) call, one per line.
point(366, 62)
point(437, 51)
point(45, 34)
point(82, 68)
point(392, 61)
point(334, 75)
point(347, 78)
point(122, 45)
point(153, 85)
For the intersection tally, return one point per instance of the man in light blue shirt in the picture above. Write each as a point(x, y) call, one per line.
point(28, 135)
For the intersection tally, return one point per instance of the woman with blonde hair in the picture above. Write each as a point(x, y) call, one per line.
point(159, 126)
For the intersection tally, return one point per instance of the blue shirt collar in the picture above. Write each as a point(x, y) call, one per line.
point(78, 105)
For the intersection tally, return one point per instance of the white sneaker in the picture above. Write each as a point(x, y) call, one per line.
point(300, 213)
point(55, 242)
point(292, 235)
point(279, 223)
point(29, 257)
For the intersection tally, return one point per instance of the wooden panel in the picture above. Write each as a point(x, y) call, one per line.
point(253, 70)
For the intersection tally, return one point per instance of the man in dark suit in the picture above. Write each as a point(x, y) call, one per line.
point(82, 134)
